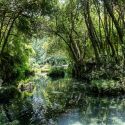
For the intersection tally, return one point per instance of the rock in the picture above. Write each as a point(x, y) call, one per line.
point(29, 87)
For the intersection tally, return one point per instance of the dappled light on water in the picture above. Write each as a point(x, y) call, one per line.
point(77, 123)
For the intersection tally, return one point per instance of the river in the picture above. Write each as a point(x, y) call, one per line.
point(62, 102)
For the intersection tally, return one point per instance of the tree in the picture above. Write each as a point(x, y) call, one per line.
point(18, 25)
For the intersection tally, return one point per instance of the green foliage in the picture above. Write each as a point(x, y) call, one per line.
point(69, 31)
point(12, 67)
point(56, 60)
point(39, 53)
point(23, 25)
point(18, 24)
point(57, 72)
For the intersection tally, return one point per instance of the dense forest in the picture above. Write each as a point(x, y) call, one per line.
point(67, 51)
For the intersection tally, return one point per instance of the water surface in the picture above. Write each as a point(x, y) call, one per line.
point(62, 102)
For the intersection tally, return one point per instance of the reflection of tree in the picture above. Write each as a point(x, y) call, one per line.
point(63, 94)
point(20, 110)
point(102, 111)
point(60, 92)
point(7, 113)
point(60, 96)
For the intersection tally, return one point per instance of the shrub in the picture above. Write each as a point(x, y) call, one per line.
point(12, 67)
point(56, 72)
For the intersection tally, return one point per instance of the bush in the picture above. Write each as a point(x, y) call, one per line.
point(56, 60)
point(12, 67)
point(56, 72)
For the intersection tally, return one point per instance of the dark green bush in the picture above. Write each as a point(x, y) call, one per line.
point(12, 67)
point(56, 72)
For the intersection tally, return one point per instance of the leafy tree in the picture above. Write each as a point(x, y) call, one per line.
point(18, 24)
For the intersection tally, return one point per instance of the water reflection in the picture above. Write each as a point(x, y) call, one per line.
point(77, 123)
point(81, 108)
point(97, 111)
point(16, 112)
point(62, 102)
